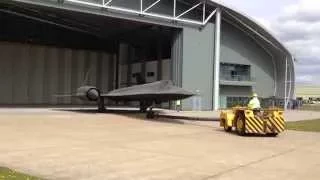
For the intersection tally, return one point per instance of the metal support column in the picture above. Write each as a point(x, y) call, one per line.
point(290, 81)
point(143, 63)
point(292, 91)
point(159, 60)
point(129, 64)
point(285, 85)
point(174, 8)
point(117, 79)
point(216, 84)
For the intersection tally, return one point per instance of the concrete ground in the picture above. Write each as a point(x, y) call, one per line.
point(75, 145)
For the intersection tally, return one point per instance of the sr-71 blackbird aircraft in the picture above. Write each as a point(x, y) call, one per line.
point(147, 94)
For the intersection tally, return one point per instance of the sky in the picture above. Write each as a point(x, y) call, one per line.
point(296, 23)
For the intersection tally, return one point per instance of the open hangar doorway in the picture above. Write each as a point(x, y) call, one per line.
point(145, 53)
point(145, 56)
point(47, 51)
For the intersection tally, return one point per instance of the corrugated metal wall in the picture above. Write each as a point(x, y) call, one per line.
point(177, 58)
point(238, 48)
point(32, 74)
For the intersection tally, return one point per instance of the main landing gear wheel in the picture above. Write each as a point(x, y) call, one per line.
point(150, 115)
point(240, 126)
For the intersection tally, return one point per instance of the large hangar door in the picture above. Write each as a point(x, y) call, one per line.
point(58, 48)
point(197, 75)
point(33, 74)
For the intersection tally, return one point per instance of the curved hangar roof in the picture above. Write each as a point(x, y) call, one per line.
point(253, 26)
point(184, 12)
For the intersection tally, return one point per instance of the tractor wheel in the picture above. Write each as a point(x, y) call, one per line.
point(226, 127)
point(240, 126)
point(273, 134)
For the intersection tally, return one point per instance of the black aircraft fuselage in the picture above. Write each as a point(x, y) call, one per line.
point(147, 94)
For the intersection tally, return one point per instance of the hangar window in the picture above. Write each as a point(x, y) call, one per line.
point(150, 74)
point(235, 72)
point(243, 101)
point(237, 101)
point(135, 75)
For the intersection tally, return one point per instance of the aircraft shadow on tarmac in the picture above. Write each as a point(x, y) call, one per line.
point(141, 116)
point(127, 113)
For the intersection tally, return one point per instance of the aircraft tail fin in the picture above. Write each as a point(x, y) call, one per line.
point(86, 77)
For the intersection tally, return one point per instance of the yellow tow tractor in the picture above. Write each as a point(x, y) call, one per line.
point(246, 121)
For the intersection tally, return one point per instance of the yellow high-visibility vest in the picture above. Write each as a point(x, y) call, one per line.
point(254, 103)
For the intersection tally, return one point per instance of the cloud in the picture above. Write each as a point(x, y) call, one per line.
point(304, 79)
point(298, 26)
point(307, 69)
point(302, 8)
point(296, 23)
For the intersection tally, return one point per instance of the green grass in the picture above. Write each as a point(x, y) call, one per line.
point(310, 125)
point(8, 174)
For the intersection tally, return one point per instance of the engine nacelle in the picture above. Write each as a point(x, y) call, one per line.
point(88, 93)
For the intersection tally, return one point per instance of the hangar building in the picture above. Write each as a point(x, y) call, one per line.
point(54, 46)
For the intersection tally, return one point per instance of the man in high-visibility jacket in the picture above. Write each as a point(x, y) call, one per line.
point(254, 103)
point(178, 105)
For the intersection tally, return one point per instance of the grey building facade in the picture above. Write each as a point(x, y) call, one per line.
point(202, 46)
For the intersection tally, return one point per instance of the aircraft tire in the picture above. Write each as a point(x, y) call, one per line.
point(150, 115)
